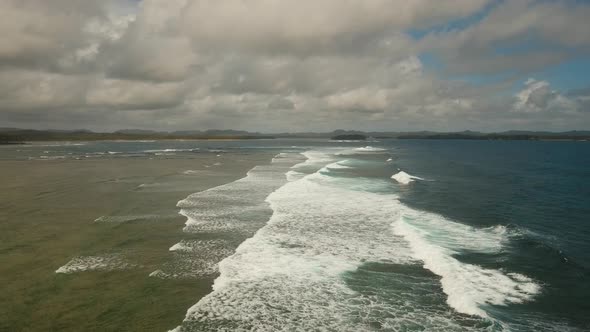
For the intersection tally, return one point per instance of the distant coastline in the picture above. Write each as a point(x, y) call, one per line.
point(522, 137)
point(20, 136)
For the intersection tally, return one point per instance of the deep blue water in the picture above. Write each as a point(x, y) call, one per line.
point(539, 190)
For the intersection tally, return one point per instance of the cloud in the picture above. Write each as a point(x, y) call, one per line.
point(309, 27)
point(33, 90)
point(122, 95)
point(280, 103)
point(537, 96)
point(155, 59)
point(287, 65)
point(519, 35)
point(43, 35)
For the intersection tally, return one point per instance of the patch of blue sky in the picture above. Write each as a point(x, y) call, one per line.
point(569, 75)
point(457, 24)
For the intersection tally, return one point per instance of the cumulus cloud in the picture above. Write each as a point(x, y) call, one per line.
point(538, 96)
point(286, 65)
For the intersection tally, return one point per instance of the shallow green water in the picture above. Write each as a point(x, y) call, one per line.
point(47, 217)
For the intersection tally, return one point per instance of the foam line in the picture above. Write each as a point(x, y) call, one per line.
point(95, 263)
point(370, 149)
point(469, 287)
point(237, 207)
point(295, 273)
point(288, 276)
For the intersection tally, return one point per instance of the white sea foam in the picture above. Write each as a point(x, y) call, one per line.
point(194, 259)
point(292, 274)
point(468, 286)
point(170, 150)
point(281, 157)
point(294, 175)
point(238, 207)
point(404, 178)
point(203, 246)
point(229, 206)
point(108, 262)
point(315, 160)
point(369, 149)
point(288, 276)
point(52, 157)
point(338, 165)
point(347, 141)
point(130, 218)
point(35, 145)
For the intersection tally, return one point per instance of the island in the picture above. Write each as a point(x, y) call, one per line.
point(350, 137)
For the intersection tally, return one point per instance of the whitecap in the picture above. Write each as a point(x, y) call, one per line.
point(156, 151)
point(404, 178)
point(227, 207)
point(130, 218)
point(294, 175)
point(338, 165)
point(108, 262)
point(370, 149)
point(435, 241)
point(194, 259)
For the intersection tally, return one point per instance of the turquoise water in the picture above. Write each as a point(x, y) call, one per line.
point(400, 236)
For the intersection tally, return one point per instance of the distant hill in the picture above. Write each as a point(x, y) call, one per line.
point(350, 137)
point(509, 135)
point(546, 133)
point(12, 135)
point(136, 132)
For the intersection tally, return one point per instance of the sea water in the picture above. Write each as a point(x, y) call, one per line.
point(401, 235)
point(414, 236)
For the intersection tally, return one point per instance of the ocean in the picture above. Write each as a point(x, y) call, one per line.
point(387, 235)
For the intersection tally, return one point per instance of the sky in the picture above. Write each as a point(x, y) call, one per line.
point(295, 65)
